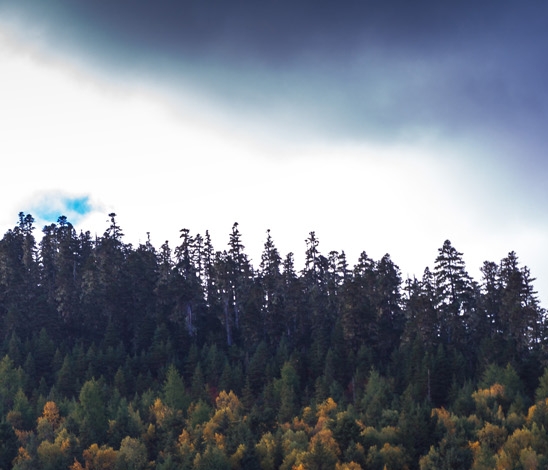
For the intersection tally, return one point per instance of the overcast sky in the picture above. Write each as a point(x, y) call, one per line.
point(385, 127)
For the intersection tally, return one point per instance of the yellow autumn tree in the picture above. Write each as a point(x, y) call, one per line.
point(490, 439)
point(97, 458)
point(348, 466)
point(57, 454)
point(525, 448)
point(489, 401)
point(267, 449)
point(49, 422)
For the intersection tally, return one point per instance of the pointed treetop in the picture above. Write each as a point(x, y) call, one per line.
point(114, 231)
point(270, 258)
point(26, 223)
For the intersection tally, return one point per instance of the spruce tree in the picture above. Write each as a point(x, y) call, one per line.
point(454, 294)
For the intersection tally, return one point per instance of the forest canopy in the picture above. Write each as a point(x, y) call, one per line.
point(116, 356)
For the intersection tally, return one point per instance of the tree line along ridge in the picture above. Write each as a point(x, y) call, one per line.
point(117, 356)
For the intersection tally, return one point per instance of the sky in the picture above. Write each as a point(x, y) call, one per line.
point(385, 127)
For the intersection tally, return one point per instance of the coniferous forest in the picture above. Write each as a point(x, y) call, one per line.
point(186, 357)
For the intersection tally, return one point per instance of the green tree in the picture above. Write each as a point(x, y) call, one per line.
point(345, 428)
point(272, 309)
point(387, 305)
point(60, 263)
point(132, 455)
point(297, 323)
point(289, 393)
point(65, 381)
point(212, 457)
point(22, 415)
point(91, 413)
point(256, 370)
point(8, 446)
point(376, 399)
point(106, 288)
point(454, 294)
point(491, 302)
point(315, 276)
point(20, 287)
point(187, 287)
point(11, 380)
point(541, 393)
point(421, 313)
point(141, 281)
point(357, 310)
point(522, 320)
point(174, 392)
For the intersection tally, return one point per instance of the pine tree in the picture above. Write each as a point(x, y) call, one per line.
point(20, 288)
point(289, 392)
point(358, 318)
point(315, 284)
point(421, 316)
point(297, 323)
point(271, 281)
point(387, 305)
point(91, 413)
point(521, 317)
point(106, 291)
point(142, 277)
point(187, 286)
point(8, 445)
point(454, 294)
point(174, 392)
point(233, 281)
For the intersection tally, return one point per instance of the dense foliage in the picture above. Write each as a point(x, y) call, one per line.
point(124, 357)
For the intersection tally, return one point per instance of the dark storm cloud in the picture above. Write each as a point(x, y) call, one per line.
point(358, 68)
point(271, 31)
point(279, 29)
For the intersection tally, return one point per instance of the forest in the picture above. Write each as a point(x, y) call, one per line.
point(116, 356)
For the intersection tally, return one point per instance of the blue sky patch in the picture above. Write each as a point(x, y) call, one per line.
point(48, 207)
point(79, 205)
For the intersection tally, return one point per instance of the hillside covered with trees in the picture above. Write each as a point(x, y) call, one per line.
point(122, 357)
